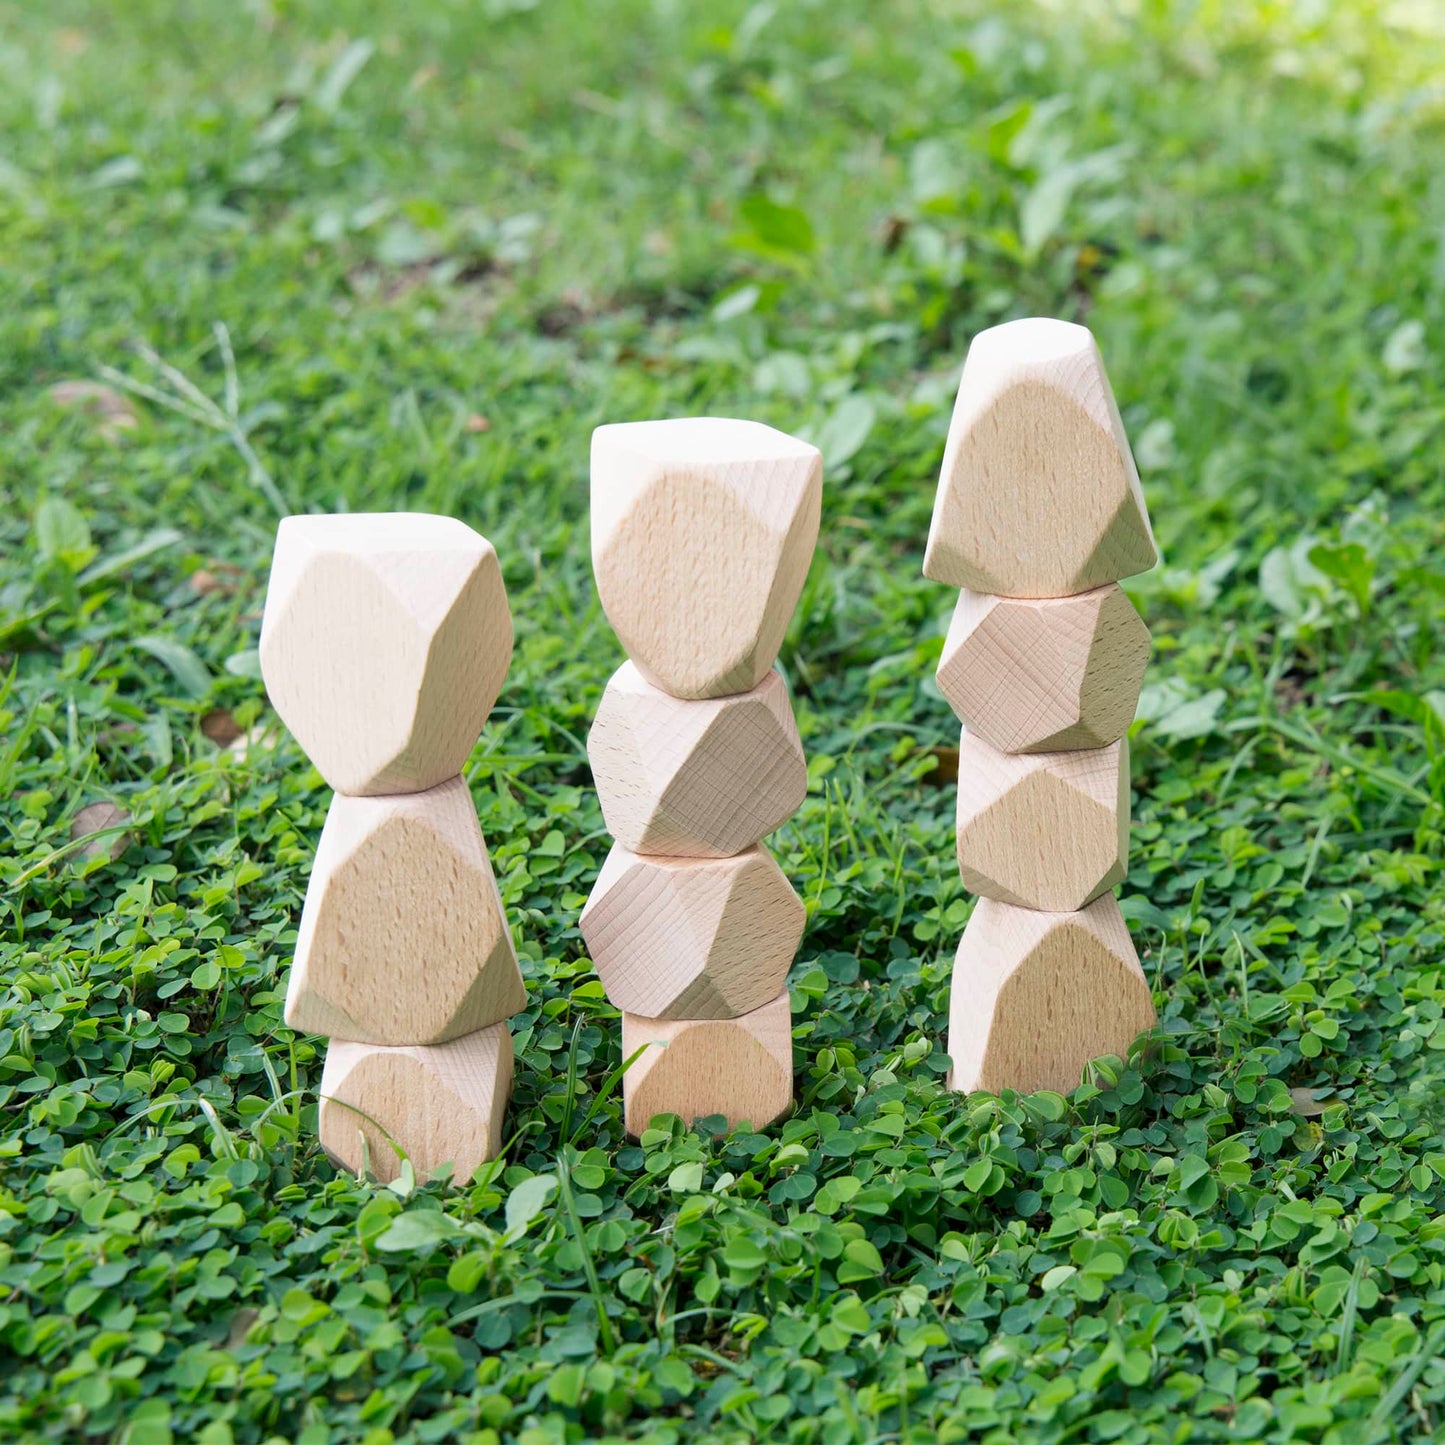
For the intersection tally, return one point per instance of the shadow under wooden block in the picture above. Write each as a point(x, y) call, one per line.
point(1035, 996)
point(385, 642)
point(1042, 830)
point(1050, 675)
point(740, 1068)
point(692, 938)
point(702, 532)
point(440, 1104)
point(1038, 495)
point(403, 939)
point(700, 779)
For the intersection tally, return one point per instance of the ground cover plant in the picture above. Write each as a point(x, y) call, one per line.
point(287, 255)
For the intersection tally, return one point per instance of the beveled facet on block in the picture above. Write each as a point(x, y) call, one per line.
point(1042, 830)
point(385, 641)
point(441, 1104)
point(403, 939)
point(702, 532)
point(702, 779)
point(1038, 495)
point(1050, 675)
point(682, 938)
point(1035, 996)
point(740, 1068)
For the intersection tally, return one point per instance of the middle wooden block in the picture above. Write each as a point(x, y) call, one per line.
point(684, 938)
point(702, 779)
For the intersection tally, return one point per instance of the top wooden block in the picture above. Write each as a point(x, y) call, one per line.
point(1039, 496)
point(384, 644)
point(702, 532)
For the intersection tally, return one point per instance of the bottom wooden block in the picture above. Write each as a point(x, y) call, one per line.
point(741, 1068)
point(439, 1103)
point(1037, 995)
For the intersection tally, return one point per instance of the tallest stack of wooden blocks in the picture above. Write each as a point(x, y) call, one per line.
point(702, 532)
point(1039, 515)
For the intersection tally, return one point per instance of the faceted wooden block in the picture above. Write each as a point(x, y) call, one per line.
point(686, 938)
point(1037, 995)
point(1042, 830)
point(441, 1104)
point(702, 532)
point(1038, 496)
point(741, 1068)
point(1031, 676)
point(701, 779)
point(384, 643)
point(403, 939)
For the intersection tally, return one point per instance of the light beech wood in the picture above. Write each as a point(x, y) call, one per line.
point(685, 938)
point(442, 1104)
point(702, 779)
point(385, 641)
point(740, 1068)
point(403, 939)
point(702, 532)
point(1038, 495)
point(1042, 830)
point(1037, 995)
point(1030, 676)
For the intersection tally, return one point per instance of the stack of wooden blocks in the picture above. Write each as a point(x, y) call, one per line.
point(1039, 515)
point(702, 533)
point(385, 641)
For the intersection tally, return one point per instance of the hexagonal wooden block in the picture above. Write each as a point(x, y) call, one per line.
point(1037, 995)
point(741, 1068)
point(1038, 496)
point(702, 779)
point(403, 939)
point(385, 641)
point(1042, 830)
point(702, 532)
point(686, 938)
point(442, 1104)
point(1030, 676)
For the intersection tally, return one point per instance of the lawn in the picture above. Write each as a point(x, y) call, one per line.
point(324, 256)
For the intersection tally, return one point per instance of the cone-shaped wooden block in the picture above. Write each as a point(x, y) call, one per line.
point(740, 1068)
point(1029, 676)
point(683, 938)
point(442, 1104)
point(1038, 496)
point(1037, 995)
point(702, 532)
point(1042, 830)
point(403, 939)
point(702, 779)
point(385, 641)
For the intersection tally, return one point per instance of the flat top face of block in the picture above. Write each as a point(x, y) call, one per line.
point(385, 641)
point(1038, 494)
point(701, 441)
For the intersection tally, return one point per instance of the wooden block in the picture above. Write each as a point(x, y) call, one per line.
point(1037, 995)
point(701, 779)
point(702, 532)
point(741, 1068)
point(403, 939)
point(384, 644)
point(687, 938)
point(1038, 496)
point(442, 1104)
point(1045, 675)
point(1042, 830)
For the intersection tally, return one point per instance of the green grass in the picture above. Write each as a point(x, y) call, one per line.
point(441, 246)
